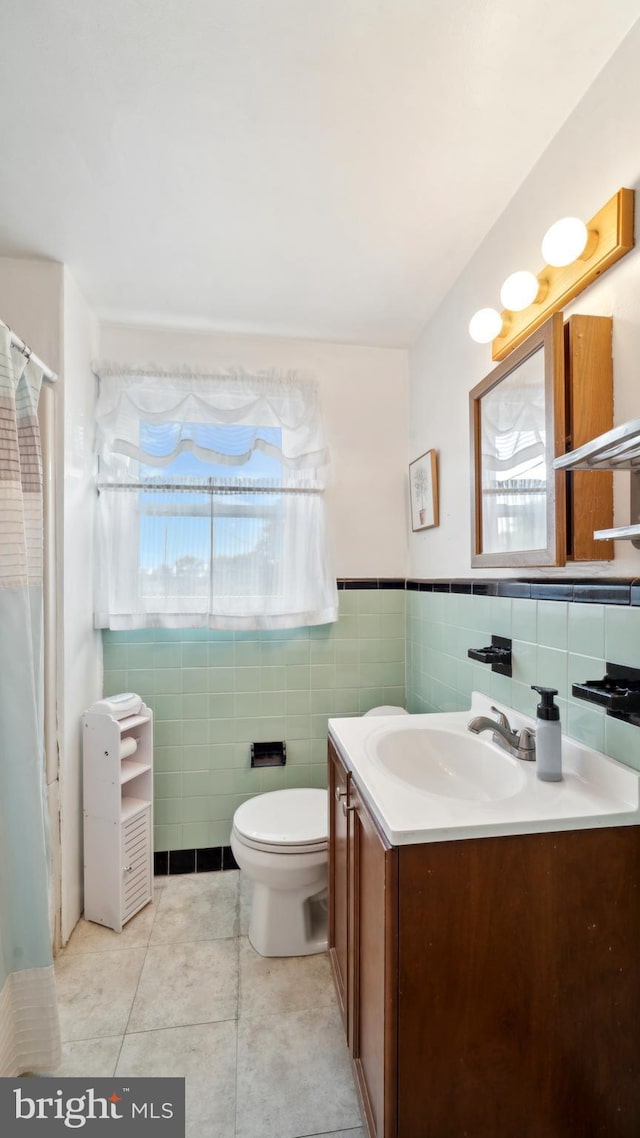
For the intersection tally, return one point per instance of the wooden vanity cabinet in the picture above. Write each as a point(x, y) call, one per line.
point(339, 821)
point(363, 901)
point(373, 952)
point(491, 986)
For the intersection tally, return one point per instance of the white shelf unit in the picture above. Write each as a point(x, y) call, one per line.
point(618, 449)
point(118, 816)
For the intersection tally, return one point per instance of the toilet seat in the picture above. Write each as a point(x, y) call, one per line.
point(284, 821)
point(280, 848)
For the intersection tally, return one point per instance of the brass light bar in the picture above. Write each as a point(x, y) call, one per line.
point(610, 237)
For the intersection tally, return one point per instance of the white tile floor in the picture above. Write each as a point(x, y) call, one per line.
point(181, 992)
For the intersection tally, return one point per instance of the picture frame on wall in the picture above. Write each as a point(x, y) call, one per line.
point(423, 491)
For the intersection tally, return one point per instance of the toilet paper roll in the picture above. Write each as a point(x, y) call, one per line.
point(128, 747)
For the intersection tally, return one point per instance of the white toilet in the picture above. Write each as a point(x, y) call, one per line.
point(280, 841)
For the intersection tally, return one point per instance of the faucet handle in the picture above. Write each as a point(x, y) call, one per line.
point(502, 719)
point(527, 744)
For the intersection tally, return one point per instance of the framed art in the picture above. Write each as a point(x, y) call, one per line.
point(423, 491)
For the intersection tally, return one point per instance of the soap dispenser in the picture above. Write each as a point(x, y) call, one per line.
point(548, 737)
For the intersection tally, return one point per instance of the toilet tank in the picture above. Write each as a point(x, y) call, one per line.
point(386, 709)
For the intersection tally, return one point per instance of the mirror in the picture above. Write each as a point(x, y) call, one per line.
point(517, 428)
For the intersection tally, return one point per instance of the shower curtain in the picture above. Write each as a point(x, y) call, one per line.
point(29, 1034)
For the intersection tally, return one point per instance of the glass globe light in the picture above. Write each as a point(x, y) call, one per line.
point(564, 241)
point(485, 325)
point(519, 291)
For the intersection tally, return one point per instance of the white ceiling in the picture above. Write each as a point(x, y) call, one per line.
point(311, 168)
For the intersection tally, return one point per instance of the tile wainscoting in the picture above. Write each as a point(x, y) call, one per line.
point(557, 641)
point(214, 693)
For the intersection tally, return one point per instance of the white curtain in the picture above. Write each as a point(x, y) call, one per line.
point(29, 1035)
point(211, 509)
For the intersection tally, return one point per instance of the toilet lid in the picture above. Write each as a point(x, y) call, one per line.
point(284, 818)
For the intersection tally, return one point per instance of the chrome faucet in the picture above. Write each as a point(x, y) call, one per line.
point(521, 744)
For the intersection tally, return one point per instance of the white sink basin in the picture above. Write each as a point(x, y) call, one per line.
point(428, 779)
point(449, 765)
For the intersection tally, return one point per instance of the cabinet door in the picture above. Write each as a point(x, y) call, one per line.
point(339, 822)
point(136, 855)
point(590, 413)
point(563, 378)
point(374, 902)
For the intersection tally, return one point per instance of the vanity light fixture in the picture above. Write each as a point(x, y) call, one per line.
point(576, 254)
point(485, 325)
point(519, 291)
point(565, 241)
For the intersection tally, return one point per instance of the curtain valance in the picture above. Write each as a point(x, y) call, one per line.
point(181, 410)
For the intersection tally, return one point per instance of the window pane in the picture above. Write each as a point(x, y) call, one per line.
point(196, 544)
point(175, 544)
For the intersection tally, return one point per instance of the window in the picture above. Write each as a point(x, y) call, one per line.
point(211, 510)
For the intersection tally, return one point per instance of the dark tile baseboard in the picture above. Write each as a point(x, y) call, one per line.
point(583, 590)
point(167, 862)
point(370, 583)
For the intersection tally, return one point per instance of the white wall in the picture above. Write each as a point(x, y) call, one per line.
point(31, 304)
point(364, 393)
point(595, 152)
point(82, 645)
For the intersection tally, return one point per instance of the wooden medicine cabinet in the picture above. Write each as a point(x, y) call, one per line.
point(551, 395)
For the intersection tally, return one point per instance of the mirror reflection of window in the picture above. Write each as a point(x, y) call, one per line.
point(514, 474)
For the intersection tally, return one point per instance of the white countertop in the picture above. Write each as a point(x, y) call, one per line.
point(596, 791)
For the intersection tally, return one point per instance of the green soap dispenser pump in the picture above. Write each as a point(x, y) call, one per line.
point(548, 737)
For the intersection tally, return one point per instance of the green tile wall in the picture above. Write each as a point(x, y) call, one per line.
point(554, 644)
point(213, 693)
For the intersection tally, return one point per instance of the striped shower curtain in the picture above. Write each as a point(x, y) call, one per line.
point(29, 1035)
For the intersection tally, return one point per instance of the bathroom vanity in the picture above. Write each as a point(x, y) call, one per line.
point(487, 973)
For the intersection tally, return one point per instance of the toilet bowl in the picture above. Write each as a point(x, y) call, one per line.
point(280, 842)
